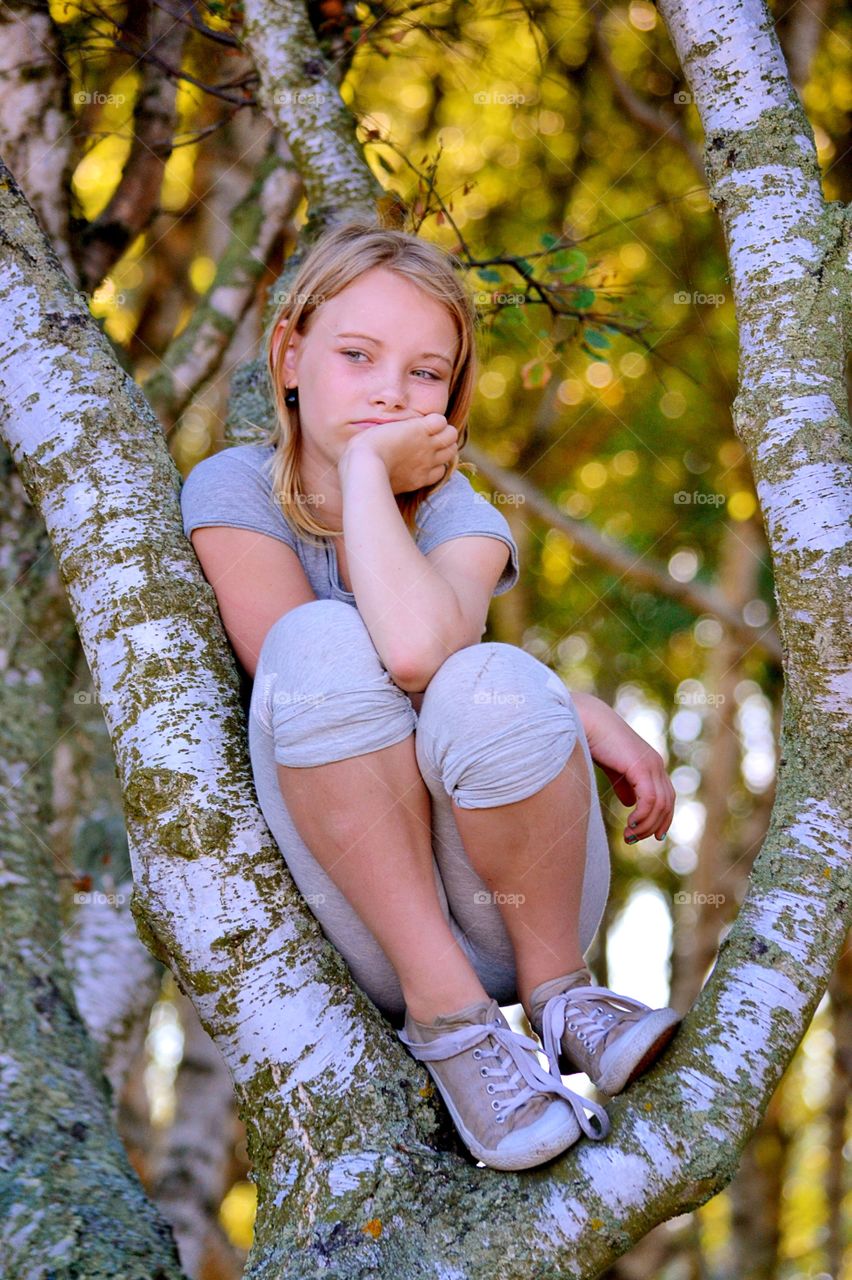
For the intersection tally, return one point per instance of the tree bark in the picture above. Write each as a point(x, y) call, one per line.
point(36, 124)
point(69, 1201)
point(756, 1197)
point(135, 200)
point(256, 223)
point(298, 91)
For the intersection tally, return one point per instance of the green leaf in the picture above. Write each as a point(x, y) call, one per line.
point(583, 299)
point(596, 339)
point(570, 263)
point(488, 273)
point(549, 239)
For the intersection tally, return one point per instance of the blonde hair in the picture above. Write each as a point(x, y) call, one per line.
point(339, 257)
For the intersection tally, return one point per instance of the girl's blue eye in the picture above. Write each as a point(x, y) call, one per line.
point(434, 377)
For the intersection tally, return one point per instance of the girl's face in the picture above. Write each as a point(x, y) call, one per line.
point(381, 349)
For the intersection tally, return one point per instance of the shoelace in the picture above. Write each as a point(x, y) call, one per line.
point(574, 1004)
point(512, 1044)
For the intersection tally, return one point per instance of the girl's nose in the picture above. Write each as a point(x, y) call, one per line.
point(389, 390)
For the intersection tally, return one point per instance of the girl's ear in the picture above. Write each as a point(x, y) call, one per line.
point(290, 354)
point(278, 338)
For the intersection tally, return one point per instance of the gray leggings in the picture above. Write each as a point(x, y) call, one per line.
point(494, 727)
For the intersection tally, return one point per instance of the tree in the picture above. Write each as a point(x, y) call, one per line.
point(343, 1137)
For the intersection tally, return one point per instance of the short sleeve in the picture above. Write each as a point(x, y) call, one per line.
point(234, 487)
point(457, 510)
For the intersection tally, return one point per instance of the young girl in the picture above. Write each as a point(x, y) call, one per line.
point(433, 796)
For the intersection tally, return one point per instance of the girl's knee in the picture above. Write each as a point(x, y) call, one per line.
point(321, 690)
point(323, 644)
point(485, 684)
point(496, 724)
point(317, 624)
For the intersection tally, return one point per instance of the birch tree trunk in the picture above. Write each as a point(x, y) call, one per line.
point(69, 1201)
point(356, 1168)
point(36, 122)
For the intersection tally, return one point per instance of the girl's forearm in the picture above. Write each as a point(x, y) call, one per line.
point(407, 607)
point(594, 714)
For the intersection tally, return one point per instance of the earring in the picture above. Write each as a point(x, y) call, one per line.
point(292, 396)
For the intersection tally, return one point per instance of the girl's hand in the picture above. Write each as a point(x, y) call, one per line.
point(414, 450)
point(637, 773)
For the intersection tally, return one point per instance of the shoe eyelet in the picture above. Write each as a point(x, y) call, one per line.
point(500, 1119)
point(489, 1088)
point(495, 1105)
point(483, 1071)
point(477, 1053)
point(572, 1026)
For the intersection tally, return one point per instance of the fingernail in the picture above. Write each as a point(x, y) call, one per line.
point(631, 839)
point(663, 836)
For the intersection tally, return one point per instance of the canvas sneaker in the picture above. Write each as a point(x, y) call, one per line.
point(509, 1111)
point(588, 1028)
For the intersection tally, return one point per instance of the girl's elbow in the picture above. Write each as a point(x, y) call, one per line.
point(408, 677)
point(411, 671)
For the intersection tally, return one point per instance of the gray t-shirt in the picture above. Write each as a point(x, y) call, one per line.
point(234, 487)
